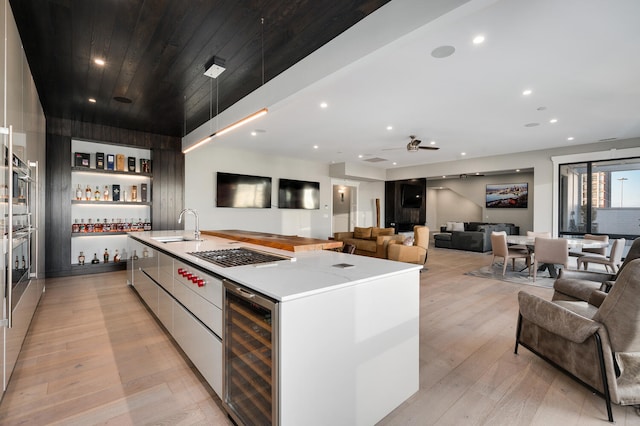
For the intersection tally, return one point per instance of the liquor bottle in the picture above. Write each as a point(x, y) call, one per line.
point(75, 227)
point(95, 259)
point(81, 259)
point(145, 252)
point(135, 255)
point(17, 263)
point(106, 226)
point(89, 228)
point(97, 194)
point(134, 193)
point(24, 263)
point(106, 193)
point(88, 193)
point(116, 256)
point(78, 193)
point(97, 227)
point(83, 227)
point(106, 256)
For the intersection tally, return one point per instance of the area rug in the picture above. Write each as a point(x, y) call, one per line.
point(495, 273)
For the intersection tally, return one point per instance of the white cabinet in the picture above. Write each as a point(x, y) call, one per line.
point(100, 222)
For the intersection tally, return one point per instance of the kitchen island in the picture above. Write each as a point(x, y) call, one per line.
point(346, 335)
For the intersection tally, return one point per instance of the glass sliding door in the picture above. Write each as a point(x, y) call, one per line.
point(600, 197)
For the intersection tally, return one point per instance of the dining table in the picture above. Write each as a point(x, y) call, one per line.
point(529, 242)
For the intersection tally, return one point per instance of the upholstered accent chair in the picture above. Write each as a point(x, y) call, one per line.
point(598, 345)
point(613, 261)
point(587, 251)
point(417, 253)
point(550, 251)
point(579, 285)
point(501, 249)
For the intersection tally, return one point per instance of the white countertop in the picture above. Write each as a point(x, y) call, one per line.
point(307, 273)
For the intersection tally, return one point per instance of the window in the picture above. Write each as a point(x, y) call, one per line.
point(600, 197)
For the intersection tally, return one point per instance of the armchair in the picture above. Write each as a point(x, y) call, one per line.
point(599, 346)
point(417, 253)
point(578, 285)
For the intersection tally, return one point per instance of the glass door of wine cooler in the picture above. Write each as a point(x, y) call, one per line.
point(250, 356)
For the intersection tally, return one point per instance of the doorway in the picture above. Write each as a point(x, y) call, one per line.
point(344, 208)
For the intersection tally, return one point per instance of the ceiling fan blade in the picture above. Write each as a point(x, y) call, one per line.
point(433, 148)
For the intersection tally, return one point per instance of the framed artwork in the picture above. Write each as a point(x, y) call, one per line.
point(507, 196)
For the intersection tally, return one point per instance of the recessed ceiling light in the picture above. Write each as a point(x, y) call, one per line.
point(432, 142)
point(99, 61)
point(478, 39)
point(394, 163)
point(389, 127)
point(315, 147)
point(527, 92)
point(477, 173)
point(570, 138)
point(92, 100)
point(254, 133)
point(323, 105)
point(443, 176)
point(360, 156)
point(553, 120)
point(463, 153)
point(518, 170)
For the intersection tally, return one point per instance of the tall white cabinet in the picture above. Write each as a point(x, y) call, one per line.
point(22, 140)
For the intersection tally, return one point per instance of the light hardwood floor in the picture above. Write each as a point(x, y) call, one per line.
point(95, 355)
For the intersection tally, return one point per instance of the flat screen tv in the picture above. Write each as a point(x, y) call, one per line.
point(243, 191)
point(411, 196)
point(298, 194)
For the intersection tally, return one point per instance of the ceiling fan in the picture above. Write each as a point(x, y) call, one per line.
point(414, 145)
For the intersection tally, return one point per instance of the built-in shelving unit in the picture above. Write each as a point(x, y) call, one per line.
point(96, 212)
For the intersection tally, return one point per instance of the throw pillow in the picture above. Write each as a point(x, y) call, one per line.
point(458, 226)
point(408, 241)
point(375, 232)
point(362, 233)
point(450, 226)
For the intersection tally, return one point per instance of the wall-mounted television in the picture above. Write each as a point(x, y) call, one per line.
point(507, 195)
point(243, 191)
point(411, 196)
point(298, 194)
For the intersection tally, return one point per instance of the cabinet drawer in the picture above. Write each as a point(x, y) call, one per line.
point(206, 312)
point(147, 290)
point(165, 309)
point(202, 347)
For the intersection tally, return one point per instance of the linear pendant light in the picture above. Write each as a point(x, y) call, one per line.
point(226, 129)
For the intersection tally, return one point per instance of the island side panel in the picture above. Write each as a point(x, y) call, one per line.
point(350, 356)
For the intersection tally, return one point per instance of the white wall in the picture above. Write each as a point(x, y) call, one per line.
point(201, 166)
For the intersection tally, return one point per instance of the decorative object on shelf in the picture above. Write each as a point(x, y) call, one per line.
point(75, 227)
point(82, 159)
point(143, 192)
point(106, 193)
point(78, 193)
point(116, 257)
point(115, 192)
point(134, 193)
point(95, 259)
point(97, 194)
point(135, 255)
point(120, 162)
point(124, 196)
point(111, 160)
point(131, 162)
point(106, 256)
point(100, 160)
point(145, 252)
point(145, 165)
point(17, 263)
point(83, 227)
point(81, 259)
point(88, 193)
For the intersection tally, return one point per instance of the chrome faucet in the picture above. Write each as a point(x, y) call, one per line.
point(196, 233)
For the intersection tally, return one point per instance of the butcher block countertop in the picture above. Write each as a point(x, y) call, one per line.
point(281, 242)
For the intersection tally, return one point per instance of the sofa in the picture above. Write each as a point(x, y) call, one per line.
point(471, 236)
point(370, 241)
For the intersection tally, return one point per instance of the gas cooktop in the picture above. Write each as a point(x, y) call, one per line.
point(237, 257)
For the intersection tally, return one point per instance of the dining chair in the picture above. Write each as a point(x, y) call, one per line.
point(586, 250)
point(613, 261)
point(550, 252)
point(501, 249)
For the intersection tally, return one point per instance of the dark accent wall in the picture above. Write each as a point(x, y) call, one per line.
point(398, 217)
point(167, 184)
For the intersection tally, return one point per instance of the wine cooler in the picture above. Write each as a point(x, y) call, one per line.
point(250, 356)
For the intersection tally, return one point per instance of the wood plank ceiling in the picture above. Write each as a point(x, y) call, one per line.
point(156, 50)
